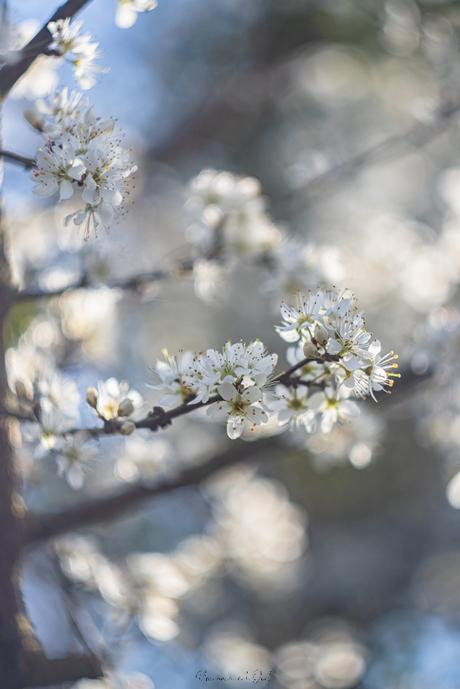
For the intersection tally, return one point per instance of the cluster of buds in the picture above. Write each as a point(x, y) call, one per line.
point(114, 402)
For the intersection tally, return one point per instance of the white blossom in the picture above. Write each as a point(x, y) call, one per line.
point(237, 363)
point(41, 79)
point(228, 216)
point(333, 407)
point(127, 11)
point(291, 404)
point(378, 375)
point(242, 410)
point(81, 156)
point(72, 454)
point(111, 399)
point(76, 48)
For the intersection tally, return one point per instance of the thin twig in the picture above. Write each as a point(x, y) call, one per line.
point(158, 418)
point(26, 162)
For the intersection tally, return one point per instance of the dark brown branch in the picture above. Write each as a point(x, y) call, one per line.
point(96, 510)
point(287, 378)
point(159, 418)
point(28, 163)
point(10, 73)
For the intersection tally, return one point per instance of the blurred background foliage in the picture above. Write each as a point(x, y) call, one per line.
point(335, 563)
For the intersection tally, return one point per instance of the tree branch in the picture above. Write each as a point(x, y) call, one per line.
point(43, 527)
point(133, 282)
point(10, 73)
point(159, 418)
point(40, 671)
point(28, 163)
point(417, 136)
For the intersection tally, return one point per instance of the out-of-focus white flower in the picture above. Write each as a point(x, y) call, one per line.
point(41, 78)
point(72, 455)
point(55, 402)
point(333, 407)
point(297, 267)
point(228, 216)
point(81, 313)
point(208, 277)
point(76, 48)
point(356, 442)
point(82, 562)
point(24, 365)
point(146, 459)
point(127, 11)
point(115, 399)
point(292, 407)
point(243, 410)
point(261, 532)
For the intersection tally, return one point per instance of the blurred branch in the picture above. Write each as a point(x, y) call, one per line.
point(40, 671)
point(11, 72)
point(96, 510)
point(134, 282)
point(70, 603)
point(417, 136)
point(17, 158)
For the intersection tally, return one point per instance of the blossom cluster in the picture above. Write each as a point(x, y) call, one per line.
point(228, 215)
point(114, 400)
point(78, 49)
point(82, 156)
point(233, 378)
point(228, 220)
point(334, 361)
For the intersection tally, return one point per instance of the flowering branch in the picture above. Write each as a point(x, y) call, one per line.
point(11, 72)
point(158, 418)
point(39, 528)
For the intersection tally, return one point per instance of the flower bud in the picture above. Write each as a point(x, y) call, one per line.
point(34, 118)
point(126, 407)
point(23, 391)
point(91, 397)
point(127, 427)
point(309, 350)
